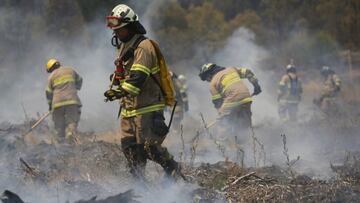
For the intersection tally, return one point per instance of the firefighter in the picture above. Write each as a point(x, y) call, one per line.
point(181, 98)
point(143, 128)
point(230, 95)
point(289, 94)
point(61, 93)
point(330, 91)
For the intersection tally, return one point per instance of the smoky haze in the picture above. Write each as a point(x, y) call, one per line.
point(23, 80)
point(317, 146)
point(23, 77)
point(88, 51)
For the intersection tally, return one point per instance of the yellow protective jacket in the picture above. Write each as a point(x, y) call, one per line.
point(63, 84)
point(331, 86)
point(140, 71)
point(228, 90)
point(181, 92)
point(290, 89)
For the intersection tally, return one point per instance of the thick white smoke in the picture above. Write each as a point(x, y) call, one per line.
point(94, 62)
point(91, 55)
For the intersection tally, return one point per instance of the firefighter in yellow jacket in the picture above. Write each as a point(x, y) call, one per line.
point(289, 94)
point(330, 91)
point(181, 98)
point(143, 129)
point(230, 95)
point(61, 93)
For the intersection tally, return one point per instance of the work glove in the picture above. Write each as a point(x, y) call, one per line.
point(112, 95)
point(257, 89)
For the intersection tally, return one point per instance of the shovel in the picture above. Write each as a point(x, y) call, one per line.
point(37, 122)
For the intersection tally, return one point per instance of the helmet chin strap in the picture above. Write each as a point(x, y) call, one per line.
point(115, 42)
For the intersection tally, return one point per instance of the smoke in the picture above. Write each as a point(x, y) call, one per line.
point(242, 51)
point(23, 81)
point(317, 145)
point(24, 78)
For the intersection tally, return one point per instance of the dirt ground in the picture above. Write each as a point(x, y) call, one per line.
point(215, 172)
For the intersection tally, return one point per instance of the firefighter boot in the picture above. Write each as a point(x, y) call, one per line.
point(172, 169)
point(70, 134)
point(161, 156)
point(136, 161)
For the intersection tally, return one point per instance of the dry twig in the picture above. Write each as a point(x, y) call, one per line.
point(182, 152)
point(289, 163)
point(194, 144)
point(237, 180)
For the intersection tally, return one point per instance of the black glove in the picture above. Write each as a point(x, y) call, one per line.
point(112, 95)
point(257, 89)
point(50, 107)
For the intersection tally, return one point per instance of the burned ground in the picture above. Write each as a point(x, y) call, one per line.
point(39, 170)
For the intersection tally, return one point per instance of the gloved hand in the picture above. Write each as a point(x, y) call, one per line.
point(257, 89)
point(112, 95)
point(50, 107)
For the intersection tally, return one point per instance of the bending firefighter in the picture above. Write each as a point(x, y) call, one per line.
point(230, 95)
point(181, 98)
point(289, 94)
point(330, 91)
point(143, 85)
point(61, 93)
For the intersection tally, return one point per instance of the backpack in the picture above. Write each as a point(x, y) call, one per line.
point(165, 84)
point(293, 86)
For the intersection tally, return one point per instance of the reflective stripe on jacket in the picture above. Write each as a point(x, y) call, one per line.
point(330, 86)
point(62, 87)
point(227, 86)
point(144, 94)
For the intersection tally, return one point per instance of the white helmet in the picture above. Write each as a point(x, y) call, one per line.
point(120, 16)
point(182, 77)
point(290, 68)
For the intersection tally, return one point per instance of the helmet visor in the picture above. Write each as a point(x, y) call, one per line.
point(113, 22)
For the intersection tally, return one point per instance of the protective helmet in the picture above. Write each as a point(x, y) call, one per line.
point(52, 64)
point(325, 70)
point(206, 70)
point(120, 16)
point(182, 77)
point(290, 68)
